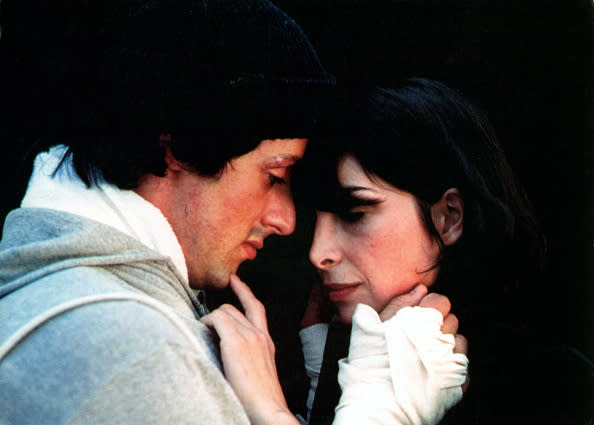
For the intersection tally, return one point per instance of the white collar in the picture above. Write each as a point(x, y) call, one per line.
point(124, 210)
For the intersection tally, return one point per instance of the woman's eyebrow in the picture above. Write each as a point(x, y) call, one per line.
point(358, 194)
point(348, 197)
point(353, 188)
point(349, 190)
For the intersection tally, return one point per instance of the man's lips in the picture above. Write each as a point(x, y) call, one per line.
point(252, 247)
point(340, 291)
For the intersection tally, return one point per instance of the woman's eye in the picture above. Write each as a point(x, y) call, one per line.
point(348, 208)
point(273, 180)
point(350, 216)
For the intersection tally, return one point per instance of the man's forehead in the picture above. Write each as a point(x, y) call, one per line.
point(280, 160)
point(278, 153)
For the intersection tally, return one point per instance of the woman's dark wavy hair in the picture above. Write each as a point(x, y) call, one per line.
point(424, 138)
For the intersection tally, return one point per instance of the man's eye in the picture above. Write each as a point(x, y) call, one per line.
point(273, 180)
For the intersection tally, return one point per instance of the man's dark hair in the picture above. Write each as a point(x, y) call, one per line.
point(216, 77)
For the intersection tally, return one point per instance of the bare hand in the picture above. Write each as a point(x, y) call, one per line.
point(409, 299)
point(247, 352)
point(318, 307)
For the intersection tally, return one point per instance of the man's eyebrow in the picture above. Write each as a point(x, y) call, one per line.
point(280, 161)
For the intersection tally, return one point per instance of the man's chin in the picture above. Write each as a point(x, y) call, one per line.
point(220, 283)
point(213, 281)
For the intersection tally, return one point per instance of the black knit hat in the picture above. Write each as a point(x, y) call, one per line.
point(216, 66)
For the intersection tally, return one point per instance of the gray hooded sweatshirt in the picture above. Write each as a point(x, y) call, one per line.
point(96, 328)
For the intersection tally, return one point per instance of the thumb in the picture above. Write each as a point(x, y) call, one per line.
point(410, 298)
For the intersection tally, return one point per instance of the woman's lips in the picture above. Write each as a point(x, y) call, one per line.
point(340, 291)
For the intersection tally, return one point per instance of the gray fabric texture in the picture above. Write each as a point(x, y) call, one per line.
point(113, 361)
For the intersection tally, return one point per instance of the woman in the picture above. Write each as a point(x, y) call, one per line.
point(422, 194)
point(412, 192)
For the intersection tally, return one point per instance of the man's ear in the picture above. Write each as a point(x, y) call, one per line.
point(172, 163)
point(448, 216)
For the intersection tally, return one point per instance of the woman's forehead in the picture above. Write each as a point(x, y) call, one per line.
point(349, 170)
point(352, 174)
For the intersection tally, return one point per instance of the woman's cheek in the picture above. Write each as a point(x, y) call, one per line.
point(389, 278)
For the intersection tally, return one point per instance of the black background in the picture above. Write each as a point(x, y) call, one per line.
point(528, 64)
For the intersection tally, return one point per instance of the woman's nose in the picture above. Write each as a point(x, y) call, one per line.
point(324, 252)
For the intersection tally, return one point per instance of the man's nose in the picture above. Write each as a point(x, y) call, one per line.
point(324, 253)
point(280, 215)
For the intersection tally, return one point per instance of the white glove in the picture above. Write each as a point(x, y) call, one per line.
point(401, 371)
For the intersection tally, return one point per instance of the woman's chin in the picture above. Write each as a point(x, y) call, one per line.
point(345, 314)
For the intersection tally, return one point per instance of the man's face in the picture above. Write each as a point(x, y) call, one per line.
point(222, 221)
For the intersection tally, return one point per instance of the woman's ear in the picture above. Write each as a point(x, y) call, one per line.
point(448, 216)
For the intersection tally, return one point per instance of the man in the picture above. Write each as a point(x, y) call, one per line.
point(180, 174)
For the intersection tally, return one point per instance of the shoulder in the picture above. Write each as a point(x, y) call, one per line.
point(90, 302)
point(120, 356)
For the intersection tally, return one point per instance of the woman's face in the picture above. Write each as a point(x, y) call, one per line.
point(377, 249)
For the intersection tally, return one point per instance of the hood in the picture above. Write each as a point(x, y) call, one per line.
point(38, 242)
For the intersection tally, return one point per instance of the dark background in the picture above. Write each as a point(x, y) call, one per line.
point(528, 64)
